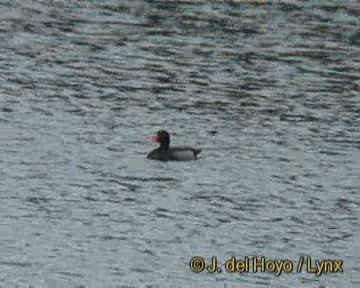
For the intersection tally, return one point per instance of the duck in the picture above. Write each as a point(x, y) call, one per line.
point(173, 153)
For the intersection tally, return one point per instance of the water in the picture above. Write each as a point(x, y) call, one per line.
point(268, 90)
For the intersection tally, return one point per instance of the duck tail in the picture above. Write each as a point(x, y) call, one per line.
point(197, 151)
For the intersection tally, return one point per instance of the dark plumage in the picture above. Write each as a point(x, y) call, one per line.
point(167, 153)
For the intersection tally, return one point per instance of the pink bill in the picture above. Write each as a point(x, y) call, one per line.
point(152, 138)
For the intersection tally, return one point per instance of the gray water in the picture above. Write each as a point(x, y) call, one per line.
point(269, 90)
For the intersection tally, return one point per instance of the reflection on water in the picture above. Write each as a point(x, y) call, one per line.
point(269, 90)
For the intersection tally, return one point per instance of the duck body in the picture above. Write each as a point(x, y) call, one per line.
point(167, 153)
point(177, 153)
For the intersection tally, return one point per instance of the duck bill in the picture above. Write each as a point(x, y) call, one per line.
point(153, 138)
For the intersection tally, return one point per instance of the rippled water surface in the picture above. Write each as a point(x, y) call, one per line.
point(269, 90)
